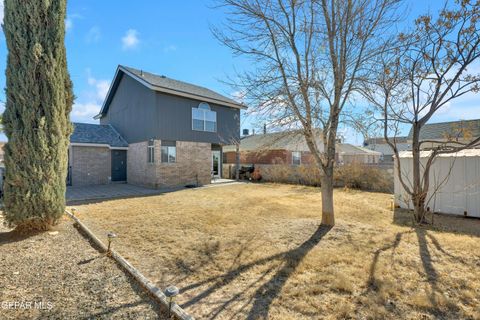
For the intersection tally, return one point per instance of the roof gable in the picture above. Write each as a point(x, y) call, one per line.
point(163, 84)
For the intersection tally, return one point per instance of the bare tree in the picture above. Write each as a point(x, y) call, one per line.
point(307, 59)
point(429, 70)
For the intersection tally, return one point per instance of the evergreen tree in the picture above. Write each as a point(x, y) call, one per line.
point(36, 119)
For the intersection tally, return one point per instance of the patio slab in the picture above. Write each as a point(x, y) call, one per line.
point(124, 190)
point(110, 191)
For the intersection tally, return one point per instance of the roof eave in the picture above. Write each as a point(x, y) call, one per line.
point(178, 92)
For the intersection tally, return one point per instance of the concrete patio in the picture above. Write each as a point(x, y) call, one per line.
point(123, 190)
point(110, 191)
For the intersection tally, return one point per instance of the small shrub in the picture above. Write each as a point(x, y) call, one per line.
point(358, 176)
point(351, 176)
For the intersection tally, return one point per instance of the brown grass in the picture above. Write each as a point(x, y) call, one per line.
point(256, 251)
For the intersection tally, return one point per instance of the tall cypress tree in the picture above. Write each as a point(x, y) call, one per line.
point(36, 119)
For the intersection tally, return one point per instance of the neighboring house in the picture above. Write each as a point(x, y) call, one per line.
point(156, 132)
point(434, 134)
point(291, 148)
point(380, 145)
point(348, 154)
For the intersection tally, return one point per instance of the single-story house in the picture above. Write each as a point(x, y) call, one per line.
point(380, 145)
point(348, 154)
point(291, 148)
point(154, 131)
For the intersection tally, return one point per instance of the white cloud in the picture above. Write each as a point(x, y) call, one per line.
point(170, 48)
point(101, 86)
point(239, 96)
point(68, 24)
point(91, 99)
point(85, 111)
point(93, 35)
point(130, 39)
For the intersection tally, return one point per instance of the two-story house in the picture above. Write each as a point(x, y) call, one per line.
point(154, 131)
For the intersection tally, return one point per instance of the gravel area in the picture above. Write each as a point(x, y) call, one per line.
point(58, 275)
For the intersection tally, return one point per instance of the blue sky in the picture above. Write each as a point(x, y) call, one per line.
point(165, 37)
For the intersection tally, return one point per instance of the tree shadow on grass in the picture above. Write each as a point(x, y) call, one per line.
point(441, 222)
point(428, 268)
point(373, 284)
point(269, 290)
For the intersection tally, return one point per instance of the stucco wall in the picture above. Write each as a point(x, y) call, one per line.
point(90, 165)
point(192, 166)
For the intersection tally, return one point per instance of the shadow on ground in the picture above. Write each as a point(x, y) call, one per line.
point(14, 236)
point(440, 222)
point(265, 294)
point(427, 243)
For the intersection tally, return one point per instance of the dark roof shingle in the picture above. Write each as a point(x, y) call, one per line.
point(97, 134)
point(180, 86)
point(291, 141)
point(442, 130)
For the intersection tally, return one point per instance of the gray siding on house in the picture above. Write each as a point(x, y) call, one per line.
point(139, 114)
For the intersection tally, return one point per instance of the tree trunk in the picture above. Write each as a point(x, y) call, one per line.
point(419, 196)
point(237, 161)
point(328, 217)
point(419, 209)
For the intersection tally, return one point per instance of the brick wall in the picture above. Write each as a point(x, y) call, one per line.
point(193, 164)
point(90, 165)
point(139, 172)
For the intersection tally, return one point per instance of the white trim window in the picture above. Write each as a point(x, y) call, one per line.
point(151, 151)
point(169, 151)
point(203, 118)
point(296, 158)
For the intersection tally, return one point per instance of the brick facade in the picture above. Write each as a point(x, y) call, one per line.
point(90, 165)
point(139, 171)
point(192, 166)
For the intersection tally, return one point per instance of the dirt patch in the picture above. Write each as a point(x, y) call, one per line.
point(256, 251)
point(58, 275)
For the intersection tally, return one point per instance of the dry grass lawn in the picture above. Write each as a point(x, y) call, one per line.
point(256, 251)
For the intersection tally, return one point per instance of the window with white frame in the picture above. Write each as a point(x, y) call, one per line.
point(151, 151)
point(203, 118)
point(169, 151)
point(296, 157)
